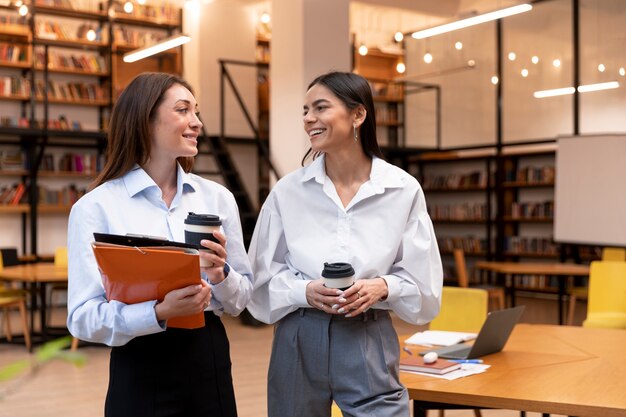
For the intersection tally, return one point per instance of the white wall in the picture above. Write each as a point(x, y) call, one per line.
point(309, 37)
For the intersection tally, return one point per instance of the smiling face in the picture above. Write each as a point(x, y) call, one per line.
point(327, 120)
point(175, 127)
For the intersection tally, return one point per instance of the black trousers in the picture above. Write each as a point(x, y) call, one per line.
point(176, 373)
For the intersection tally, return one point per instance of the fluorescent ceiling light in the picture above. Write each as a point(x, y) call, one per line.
point(581, 89)
point(597, 87)
point(164, 45)
point(471, 21)
point(555, 92)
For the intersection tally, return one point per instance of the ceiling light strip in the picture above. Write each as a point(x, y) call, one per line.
point(471, 21)
point(581, 89)
point(162, 46)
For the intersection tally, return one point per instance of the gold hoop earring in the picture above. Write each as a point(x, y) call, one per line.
point(356, 134)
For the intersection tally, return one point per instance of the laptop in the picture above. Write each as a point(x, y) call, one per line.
point(492, 337)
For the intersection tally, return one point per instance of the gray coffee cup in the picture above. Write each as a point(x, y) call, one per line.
point(199, 227)
point(338, 275)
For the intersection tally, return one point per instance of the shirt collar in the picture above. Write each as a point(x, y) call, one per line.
point(137, 180)
point(383, 174)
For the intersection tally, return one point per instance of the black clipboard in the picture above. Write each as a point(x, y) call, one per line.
point(143, 241)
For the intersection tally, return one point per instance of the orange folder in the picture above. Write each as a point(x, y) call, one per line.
point(133, 275)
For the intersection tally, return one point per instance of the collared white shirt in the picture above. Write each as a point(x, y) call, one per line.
point(133, 204)
point(385, 231)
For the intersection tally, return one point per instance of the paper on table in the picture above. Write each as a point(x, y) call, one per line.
point(439, 337)
point(467, 369)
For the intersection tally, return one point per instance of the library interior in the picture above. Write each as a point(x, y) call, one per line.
point(509, 113)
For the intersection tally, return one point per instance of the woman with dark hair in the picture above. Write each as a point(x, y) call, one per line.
point(347, 206)
point(146, 188)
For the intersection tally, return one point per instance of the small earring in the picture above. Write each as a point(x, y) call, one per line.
point(356, 134)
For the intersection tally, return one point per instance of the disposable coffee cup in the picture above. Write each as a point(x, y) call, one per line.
point(199, 227)
point(338, 275)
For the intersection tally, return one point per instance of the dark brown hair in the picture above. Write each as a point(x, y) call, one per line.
point(354, 91)
point(129, 140)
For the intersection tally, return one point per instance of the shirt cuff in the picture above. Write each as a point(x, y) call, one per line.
point(228, 287)
point(297, 294)
point(393, 288)
point(141, 319)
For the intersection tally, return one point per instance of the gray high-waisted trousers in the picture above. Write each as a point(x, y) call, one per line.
point(318, 358)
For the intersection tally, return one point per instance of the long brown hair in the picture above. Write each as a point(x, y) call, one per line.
point(354, 91)
point(129, 129)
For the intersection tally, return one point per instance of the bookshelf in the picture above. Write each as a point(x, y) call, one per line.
point(61, 69)
point(379, 68)
point(461, 189)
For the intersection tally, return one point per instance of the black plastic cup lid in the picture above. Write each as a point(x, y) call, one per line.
point(203, 219)
point(337, 270)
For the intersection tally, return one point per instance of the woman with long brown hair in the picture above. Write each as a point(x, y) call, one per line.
point(146, 188)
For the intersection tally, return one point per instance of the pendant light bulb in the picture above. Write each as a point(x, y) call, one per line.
point(363, 50)
point(428, 57)
point(91, 35)
point(128, 7)
point(398, 36)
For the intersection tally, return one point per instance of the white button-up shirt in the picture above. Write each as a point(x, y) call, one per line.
point(385, 231)
point(133, 204)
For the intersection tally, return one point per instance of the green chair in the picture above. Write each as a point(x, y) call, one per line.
point(606, 306)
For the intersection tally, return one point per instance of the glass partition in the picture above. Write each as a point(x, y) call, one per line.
point(603, 59)
point(537, 56)
point(462, 65)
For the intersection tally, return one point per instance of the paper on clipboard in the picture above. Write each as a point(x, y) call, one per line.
point(133, 275)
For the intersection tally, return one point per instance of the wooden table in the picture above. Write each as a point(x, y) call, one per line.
point(561, 271)
point(552, 369)
point(37, 276)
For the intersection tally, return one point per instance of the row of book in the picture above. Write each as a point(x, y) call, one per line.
point(535, 210)
point(11, 159)
point(13, 194)
point(14, 53)
point(85, 163)
point(163, 12)
point(57, 60)
point(62, 123)
point(45, 29)
point(18, 194)
point(12, 19)
point(14, 86)
point(530, 245)
point(462, 212)
point(475, 179)
point(124, 35)
point(71, 91)
point(469, 244)
point(531, 175)
point(88, 6)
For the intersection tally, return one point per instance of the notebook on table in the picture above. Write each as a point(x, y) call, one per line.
point(492, 337)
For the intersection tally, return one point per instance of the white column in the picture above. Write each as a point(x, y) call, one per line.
point(309, 37)
point(221, 29)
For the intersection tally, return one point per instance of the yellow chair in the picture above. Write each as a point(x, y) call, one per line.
point(10, 298)
point(462, 310)
point(495, 293)
point(606, 306)
point(581, 293)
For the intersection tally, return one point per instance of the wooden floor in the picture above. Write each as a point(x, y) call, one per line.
point(61, 390)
